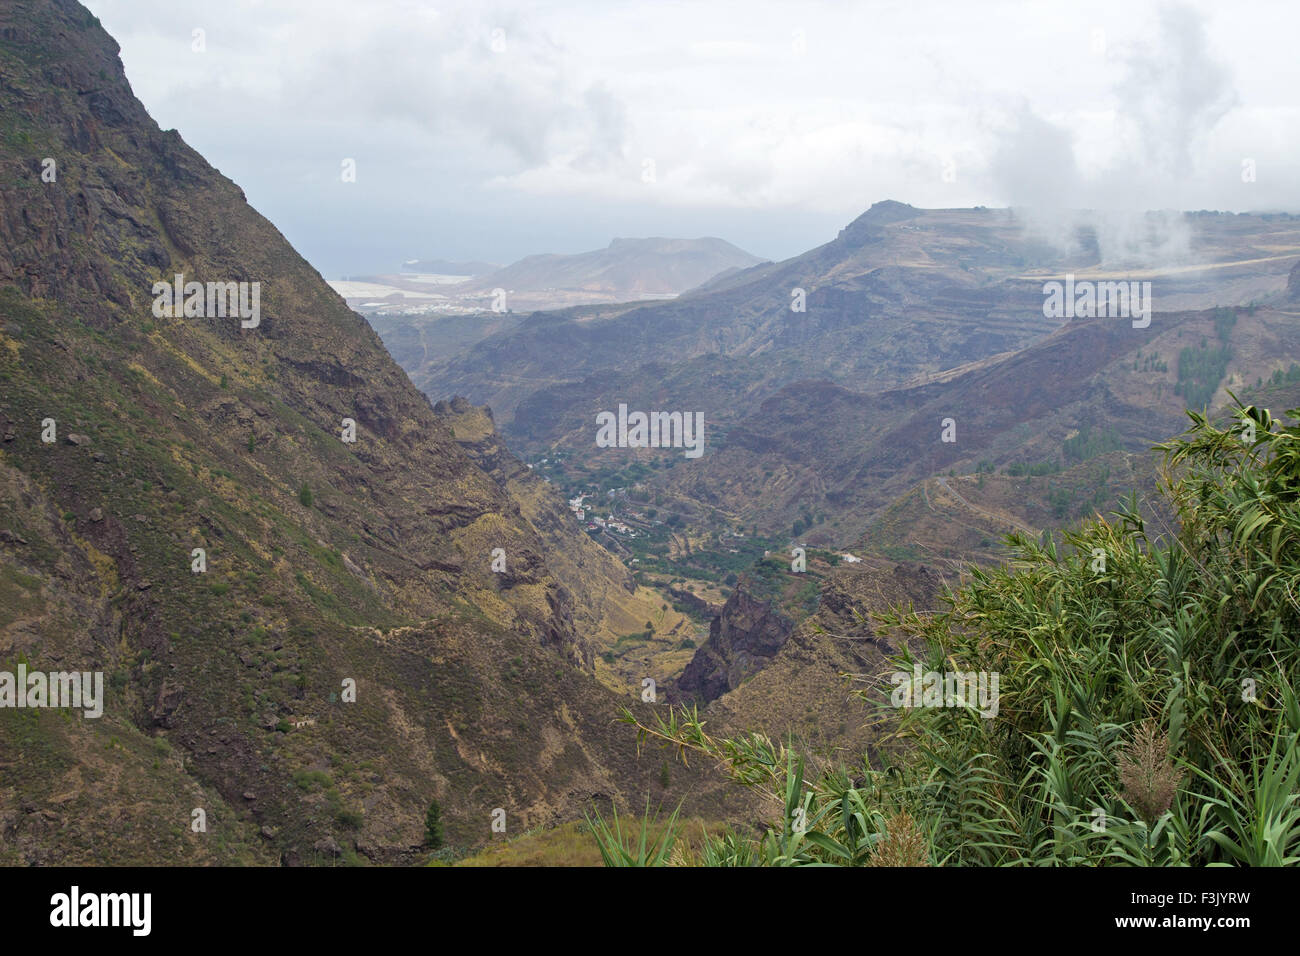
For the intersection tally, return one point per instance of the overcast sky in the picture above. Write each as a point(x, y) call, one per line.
point(496, 130)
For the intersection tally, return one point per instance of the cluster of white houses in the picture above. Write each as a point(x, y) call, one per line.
point(578, 506)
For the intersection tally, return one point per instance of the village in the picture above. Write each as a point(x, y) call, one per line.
point(609, 523)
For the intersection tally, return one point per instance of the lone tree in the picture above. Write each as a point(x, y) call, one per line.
point(433, 826)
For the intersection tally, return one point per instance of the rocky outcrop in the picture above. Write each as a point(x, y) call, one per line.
point(742, 639)
point(693, 603)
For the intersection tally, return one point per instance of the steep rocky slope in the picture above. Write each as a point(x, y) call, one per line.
point(825, 683)
point(743, 638)
point(325, 564)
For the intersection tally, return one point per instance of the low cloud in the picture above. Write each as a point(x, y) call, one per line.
point(1170, 94)
point(494, 130)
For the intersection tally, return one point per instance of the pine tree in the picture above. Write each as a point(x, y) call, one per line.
point(433, 826)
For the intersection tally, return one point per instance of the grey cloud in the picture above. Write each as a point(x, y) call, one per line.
point(450, 83)
point(1173, 94)
point(1170, 95)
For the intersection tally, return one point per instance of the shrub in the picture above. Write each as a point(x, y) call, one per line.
point(433, 826)
point(1154, 695)
point(352, 819)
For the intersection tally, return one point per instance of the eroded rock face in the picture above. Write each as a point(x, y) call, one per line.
point(742, 639)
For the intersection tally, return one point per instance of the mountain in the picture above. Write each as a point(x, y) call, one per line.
point(442, 267)
point(624, 271)
point(627, 270)
point(1093, 386)
point(912, 316)
point(1041, 436)
point(303, 638)
point(1046, 437)
point(900, 295)
point(426, 320)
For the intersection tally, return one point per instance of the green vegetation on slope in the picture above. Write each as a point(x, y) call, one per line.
point(1147, 713)
point(1201, 369)
point(1090, 443)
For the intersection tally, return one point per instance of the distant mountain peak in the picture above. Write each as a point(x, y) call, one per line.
point(663, 242)
point(891, 206)
point(444, 267)
point(870, 225)
point(629, 268)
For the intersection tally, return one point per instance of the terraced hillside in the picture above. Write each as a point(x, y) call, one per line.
point(1093, 386)
point(899, 296)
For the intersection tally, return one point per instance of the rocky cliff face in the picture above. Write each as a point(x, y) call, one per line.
point(280, 557)
point(812, 685)
point(596, 588)
point(743, 638)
